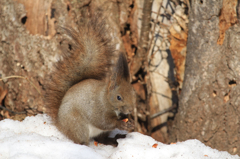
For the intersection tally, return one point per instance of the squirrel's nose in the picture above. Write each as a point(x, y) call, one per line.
point(126, 110)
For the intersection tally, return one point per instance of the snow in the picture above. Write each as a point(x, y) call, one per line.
point(37, 138)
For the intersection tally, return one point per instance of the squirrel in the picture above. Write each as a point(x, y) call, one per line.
point(88, 92)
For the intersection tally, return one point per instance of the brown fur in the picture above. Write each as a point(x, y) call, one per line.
point(77, 65)
point(84, 97)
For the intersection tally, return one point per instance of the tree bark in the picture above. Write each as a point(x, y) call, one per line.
point(209, 102)
point(143, 46)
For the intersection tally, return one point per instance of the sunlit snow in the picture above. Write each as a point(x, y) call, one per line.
point(37, 138)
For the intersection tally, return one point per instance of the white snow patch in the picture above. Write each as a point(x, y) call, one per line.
point(37, 138)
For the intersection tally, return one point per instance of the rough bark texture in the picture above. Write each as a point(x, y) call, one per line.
point(142, 52)
point(23, 54)
point(209, 102)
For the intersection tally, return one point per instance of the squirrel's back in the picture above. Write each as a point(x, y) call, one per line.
point(88, 56)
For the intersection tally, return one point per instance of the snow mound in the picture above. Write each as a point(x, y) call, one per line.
point(37, 138)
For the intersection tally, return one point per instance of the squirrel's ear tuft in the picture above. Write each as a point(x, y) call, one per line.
point(122, 67)
point(120, 72)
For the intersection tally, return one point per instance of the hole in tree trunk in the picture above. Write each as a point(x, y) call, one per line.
point(69, 47)
point(24, 20)
point(214, 93)
point(68, 8)
point(52, 13)
point(232, 83)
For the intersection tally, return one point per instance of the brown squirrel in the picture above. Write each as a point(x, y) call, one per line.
point(87, 92)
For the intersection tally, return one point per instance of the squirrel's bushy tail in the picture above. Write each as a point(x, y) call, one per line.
point(88, 56)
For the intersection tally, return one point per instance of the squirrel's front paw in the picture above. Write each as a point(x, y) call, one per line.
point(126, 125)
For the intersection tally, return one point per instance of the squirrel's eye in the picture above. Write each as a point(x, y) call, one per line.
point(119, 98)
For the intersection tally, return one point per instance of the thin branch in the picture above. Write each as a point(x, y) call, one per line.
point(167, 11)
point(13, 112)
point(163, 112)
point(15, 76)
point(154, 27)
point(162, 95)
point(135, 118)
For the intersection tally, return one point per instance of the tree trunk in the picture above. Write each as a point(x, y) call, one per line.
point(209, 102)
